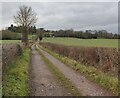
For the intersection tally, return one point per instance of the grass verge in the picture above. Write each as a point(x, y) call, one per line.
point(95, 75)
point(60, 77)
point(16, 77)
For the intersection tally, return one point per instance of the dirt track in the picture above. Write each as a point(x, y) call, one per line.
point(86, 87)
point(42, 82)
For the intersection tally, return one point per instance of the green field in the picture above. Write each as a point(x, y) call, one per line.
point(75, 42)
point(9, 41)
point(84, 42)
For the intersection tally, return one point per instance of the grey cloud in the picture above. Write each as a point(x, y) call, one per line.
point(76, 15)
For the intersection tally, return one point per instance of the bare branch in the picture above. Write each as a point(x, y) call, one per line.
point(25, 17)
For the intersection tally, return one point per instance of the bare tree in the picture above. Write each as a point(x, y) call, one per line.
point(25, 17)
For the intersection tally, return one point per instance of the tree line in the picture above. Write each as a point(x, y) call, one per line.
point(88, 34)
point(18, 29)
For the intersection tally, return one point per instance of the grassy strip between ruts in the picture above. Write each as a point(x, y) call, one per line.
point(103, 79)
point(60, 77)
point(16, 77)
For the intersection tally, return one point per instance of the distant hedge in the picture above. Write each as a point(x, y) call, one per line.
point(105, 59)
point(8, 35)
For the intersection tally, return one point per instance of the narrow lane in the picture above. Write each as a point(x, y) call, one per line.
point(42, 82)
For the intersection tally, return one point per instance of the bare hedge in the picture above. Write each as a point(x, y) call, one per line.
point(105, 59)
point(9, 53)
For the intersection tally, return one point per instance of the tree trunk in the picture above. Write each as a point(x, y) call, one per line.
point(25, 36)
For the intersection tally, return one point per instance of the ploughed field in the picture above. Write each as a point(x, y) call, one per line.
point(113, 43)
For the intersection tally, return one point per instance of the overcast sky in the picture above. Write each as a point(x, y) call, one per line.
point(76, 15)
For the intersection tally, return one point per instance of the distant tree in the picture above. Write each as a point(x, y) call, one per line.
point(11, 28)
point(18, 29)
point(115, 36)
point(40, 33)
point(25, 17)
point(88, 34)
